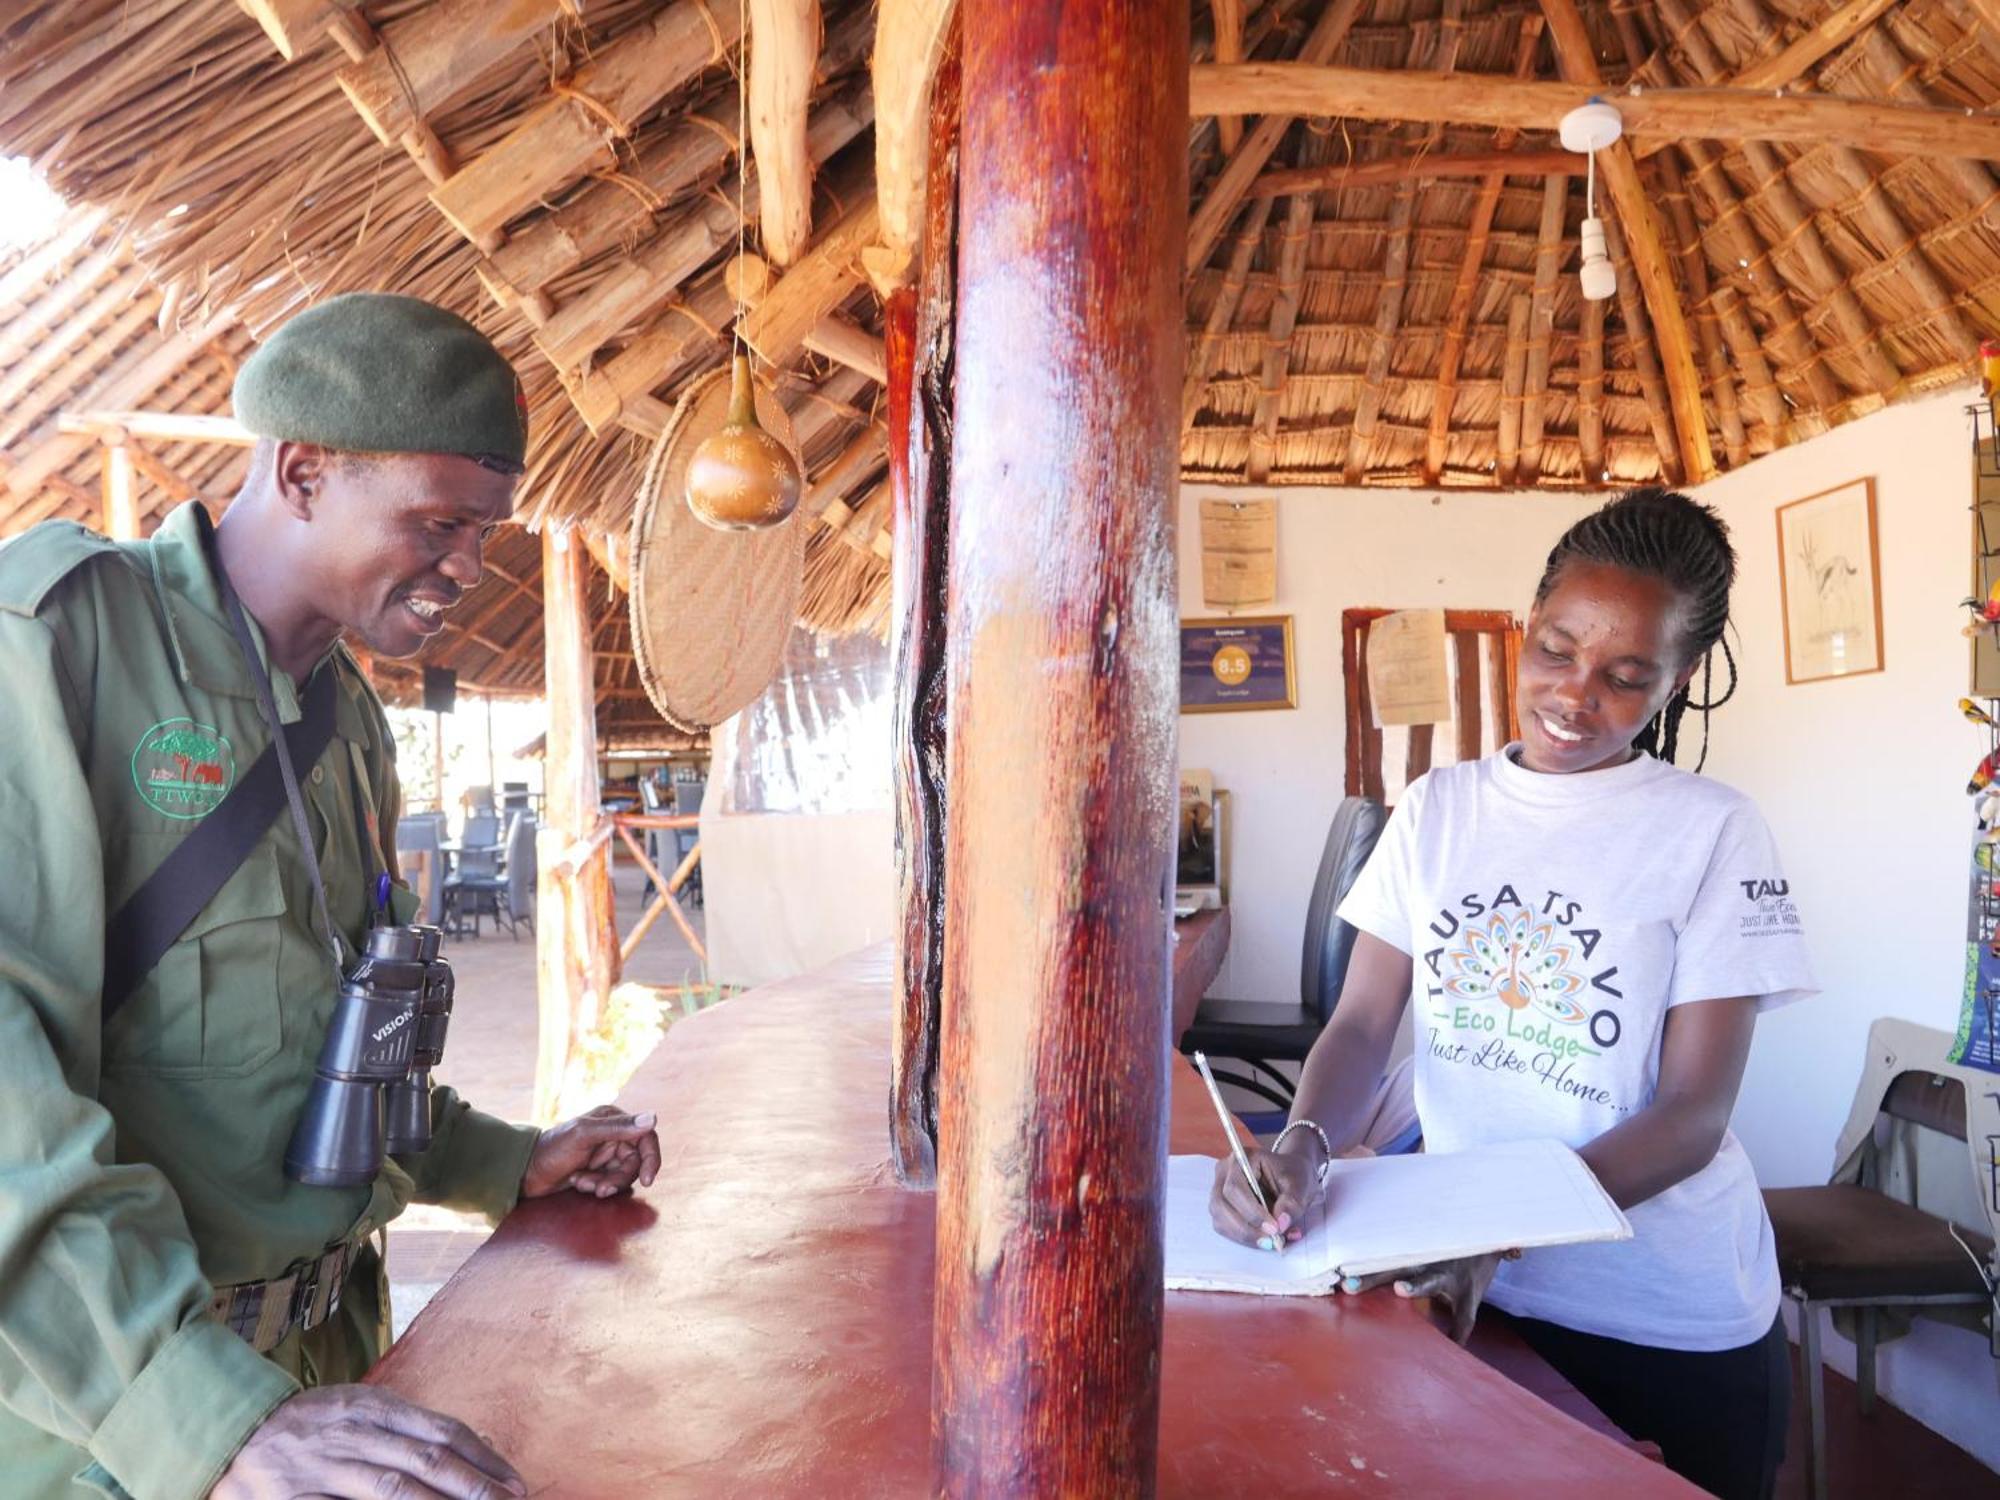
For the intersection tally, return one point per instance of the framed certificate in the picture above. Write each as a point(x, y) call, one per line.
point(1241, 663)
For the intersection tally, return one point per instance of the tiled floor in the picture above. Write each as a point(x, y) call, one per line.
point(490, 1059)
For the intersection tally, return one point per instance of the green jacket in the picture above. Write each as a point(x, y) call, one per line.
point(141, 1163)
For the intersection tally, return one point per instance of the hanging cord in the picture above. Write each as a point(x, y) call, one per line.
point(741, 69)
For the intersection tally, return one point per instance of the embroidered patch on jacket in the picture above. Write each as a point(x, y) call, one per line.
point(183, 769)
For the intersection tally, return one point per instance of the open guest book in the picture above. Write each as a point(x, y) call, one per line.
point(1383, 1213)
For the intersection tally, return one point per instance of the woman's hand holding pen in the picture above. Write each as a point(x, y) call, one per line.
point(1291, 1184)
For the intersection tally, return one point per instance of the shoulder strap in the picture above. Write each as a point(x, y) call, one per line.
point(155, 915)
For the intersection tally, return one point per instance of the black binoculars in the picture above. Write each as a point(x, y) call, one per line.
point(371, 1092)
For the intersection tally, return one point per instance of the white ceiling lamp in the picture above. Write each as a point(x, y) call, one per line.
point(1588, 129)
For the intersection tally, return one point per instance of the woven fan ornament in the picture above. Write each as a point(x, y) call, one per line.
point(711, 609)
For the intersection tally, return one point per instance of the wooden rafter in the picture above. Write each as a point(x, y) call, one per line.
point(1590, 393)
point(1649, 259)
point(1222, 315)
point(1228, 49)
point(1678, 226)
point(1415, 168)
point(1818, 272)
point(1734, 246)
point(1550, 250)
point(1382, 338)
point(1645, 352)
point(1208, 222)
point(909, 46)
point(1723, 114)
point(1465, 290)
point(784, 47)
point(1292, 241)
point(1513, 377)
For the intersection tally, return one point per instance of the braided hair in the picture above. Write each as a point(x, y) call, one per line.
point(1685, 545)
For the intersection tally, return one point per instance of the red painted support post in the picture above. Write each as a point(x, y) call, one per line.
point(1063, 637)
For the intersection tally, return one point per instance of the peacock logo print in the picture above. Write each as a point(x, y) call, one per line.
point(1520, 960)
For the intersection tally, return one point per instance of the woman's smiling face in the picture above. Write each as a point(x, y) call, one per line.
point(1601, 656)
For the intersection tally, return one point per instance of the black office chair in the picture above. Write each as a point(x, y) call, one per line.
point(1258, 1033)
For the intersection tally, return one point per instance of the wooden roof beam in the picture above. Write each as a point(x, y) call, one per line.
point(1513, 380)
point(590, 114)
point(1645, 354)
point(910, 43)
point(1415, 168)
point(1228, 15)
point(1720, 114)
point(1222, 314)
point(1825, 277)
point(1550, 252)
point(777, 328)
point(1382, 337)
point(1225, 194)
point(1649, 260)
point(295, 26)
point(425, 60)
point(1685, 243)
point(784, 49)
point(1291, 269)
point(1590, 393)
point(1464, 292)
point(158, 426)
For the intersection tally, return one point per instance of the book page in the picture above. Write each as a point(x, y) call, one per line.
point(1385, 1213)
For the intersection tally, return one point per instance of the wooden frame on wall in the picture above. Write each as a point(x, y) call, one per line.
point(1830, 584)
point(1234, 664)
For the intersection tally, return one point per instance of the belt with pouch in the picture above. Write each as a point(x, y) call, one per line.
point(301, 1297)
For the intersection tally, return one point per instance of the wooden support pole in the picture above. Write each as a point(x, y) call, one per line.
point(784, 46)
point(1456, 318)
point(576, 936)
point(121, 492)
point(1063, 632)
point(1825, 37)
point(1226, 193)
point(1550, 252)
point(1382, 338)
point(1222, 313)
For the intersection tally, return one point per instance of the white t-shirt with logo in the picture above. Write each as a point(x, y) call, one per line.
point(1553, 922)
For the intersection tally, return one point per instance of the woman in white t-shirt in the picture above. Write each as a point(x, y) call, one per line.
point(1585, 936)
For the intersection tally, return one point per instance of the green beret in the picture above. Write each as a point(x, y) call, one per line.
point(372, 373)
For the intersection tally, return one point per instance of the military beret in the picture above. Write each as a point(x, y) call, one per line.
point(372, 373)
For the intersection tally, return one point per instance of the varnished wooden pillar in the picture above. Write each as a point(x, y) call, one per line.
point(576, 940)
point(1052, 1097)
point(917, 339)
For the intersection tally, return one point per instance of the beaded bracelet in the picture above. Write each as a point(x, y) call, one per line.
point(1325, 1145)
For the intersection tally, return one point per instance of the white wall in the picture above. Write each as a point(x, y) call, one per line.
point(1338, 549)
point(1862, 781)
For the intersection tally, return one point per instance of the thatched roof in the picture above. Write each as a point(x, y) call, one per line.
point(1371, 299)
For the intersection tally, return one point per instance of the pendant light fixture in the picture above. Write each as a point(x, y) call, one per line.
point(742, 478)
point(1587, 130)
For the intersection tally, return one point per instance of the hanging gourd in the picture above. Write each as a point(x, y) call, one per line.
point(742, 478)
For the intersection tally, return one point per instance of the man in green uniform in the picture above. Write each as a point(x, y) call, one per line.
point(165, 1288)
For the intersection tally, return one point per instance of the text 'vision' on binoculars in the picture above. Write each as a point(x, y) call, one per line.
point(371, 1092)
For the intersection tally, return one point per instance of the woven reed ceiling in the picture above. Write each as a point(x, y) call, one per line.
point(1363, 305)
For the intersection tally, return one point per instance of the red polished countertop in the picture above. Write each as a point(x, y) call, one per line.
point(759, 1321)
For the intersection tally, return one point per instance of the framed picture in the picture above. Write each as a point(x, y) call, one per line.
point(1830, 578)
point(1242, 663)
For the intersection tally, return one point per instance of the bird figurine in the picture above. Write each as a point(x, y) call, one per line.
point(1976, 714)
